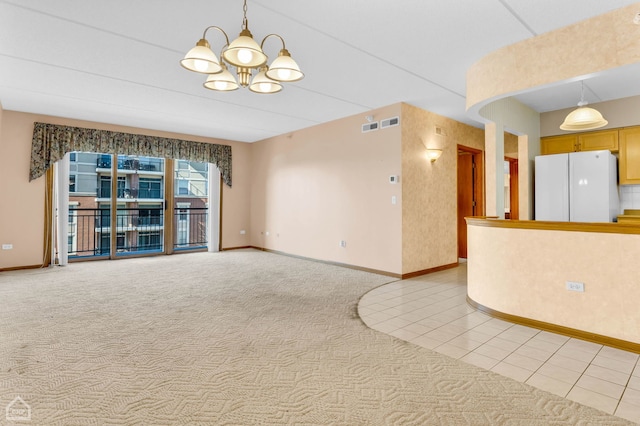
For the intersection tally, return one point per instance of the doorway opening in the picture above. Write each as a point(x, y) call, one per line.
point(511, 188)
point(470, 191)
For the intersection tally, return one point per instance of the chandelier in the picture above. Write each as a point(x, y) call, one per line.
point(247, 57)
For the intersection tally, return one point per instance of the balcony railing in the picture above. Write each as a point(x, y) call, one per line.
point(137, 230)
point(190, 228)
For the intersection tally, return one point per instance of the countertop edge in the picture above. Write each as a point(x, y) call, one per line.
point(604, 228)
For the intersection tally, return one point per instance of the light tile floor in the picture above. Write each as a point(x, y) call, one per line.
point(431, 311)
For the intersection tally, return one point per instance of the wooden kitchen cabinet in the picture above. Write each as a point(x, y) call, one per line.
point(558, 144)
point(591, 141)
point(595, 141)
point(629, 165)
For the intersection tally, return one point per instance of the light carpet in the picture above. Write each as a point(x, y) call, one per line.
point(235, 338)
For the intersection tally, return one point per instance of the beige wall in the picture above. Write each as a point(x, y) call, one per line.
point(22, 208)
point(429, 190)
point(510, 145)
point(315, 187)
point(523, 272)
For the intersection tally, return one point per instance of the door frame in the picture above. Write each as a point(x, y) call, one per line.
point(514, 193)
point(478, 183)
point(478, 155)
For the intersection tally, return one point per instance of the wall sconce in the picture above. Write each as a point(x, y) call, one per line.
point(433, 154)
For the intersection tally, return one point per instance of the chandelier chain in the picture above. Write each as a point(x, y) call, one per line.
point(245, 24)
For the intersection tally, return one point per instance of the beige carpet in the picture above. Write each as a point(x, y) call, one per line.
point(237, 338)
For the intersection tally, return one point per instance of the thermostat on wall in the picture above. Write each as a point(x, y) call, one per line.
point(394, 179)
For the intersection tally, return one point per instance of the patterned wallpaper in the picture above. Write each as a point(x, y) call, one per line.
point(429, 190)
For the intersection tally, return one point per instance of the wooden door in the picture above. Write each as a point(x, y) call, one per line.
point(469, 192)
point(513, 188)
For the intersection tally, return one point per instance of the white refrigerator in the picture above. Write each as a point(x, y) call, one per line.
point(577, 187)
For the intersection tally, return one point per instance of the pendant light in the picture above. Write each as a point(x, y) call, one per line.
point(249, 59)
point(583, 118)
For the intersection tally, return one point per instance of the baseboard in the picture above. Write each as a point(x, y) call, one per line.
point(429, 271)
point(19, 268)
point(236, 248)
point(559, 329)
point(328, 262)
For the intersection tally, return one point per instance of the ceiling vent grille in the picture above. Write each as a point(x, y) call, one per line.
point(370, 127)
point(390, 122)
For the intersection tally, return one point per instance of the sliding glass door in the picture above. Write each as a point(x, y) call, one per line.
point(118, 205)
point(110, 218)
point(191, 196)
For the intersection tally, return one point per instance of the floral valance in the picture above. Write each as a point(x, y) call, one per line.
point(51, 142)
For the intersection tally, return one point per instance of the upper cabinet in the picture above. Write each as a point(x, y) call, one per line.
point(630, 156)
point(595, 141)
point(591, 141)
point(558, 144)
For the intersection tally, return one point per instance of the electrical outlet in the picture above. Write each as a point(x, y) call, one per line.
point(7, 247)
point(575, 286)
point(343, 243)
point(242, 232)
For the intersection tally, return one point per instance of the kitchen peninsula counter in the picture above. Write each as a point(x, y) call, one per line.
point(521, 271)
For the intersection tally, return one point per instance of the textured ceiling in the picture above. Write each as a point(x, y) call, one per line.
point(117, 61)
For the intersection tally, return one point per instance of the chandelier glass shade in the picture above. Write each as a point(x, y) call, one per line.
point(583, 118)
point(224, 81)
point(249, 59)
point(201, 59)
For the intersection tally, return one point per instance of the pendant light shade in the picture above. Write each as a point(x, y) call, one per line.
point(583, 118)
point(201, 59)
point(284, 68)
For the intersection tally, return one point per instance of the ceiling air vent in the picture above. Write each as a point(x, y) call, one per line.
point(390, 122)
point(370, 127)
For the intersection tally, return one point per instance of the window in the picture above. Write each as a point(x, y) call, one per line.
point(150, 214)
point(183, 187)
point(104, 187)
point(138, 205)
point(150, 188)
point(149, 241)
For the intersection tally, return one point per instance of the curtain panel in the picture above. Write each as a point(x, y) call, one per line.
point(51, 142)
